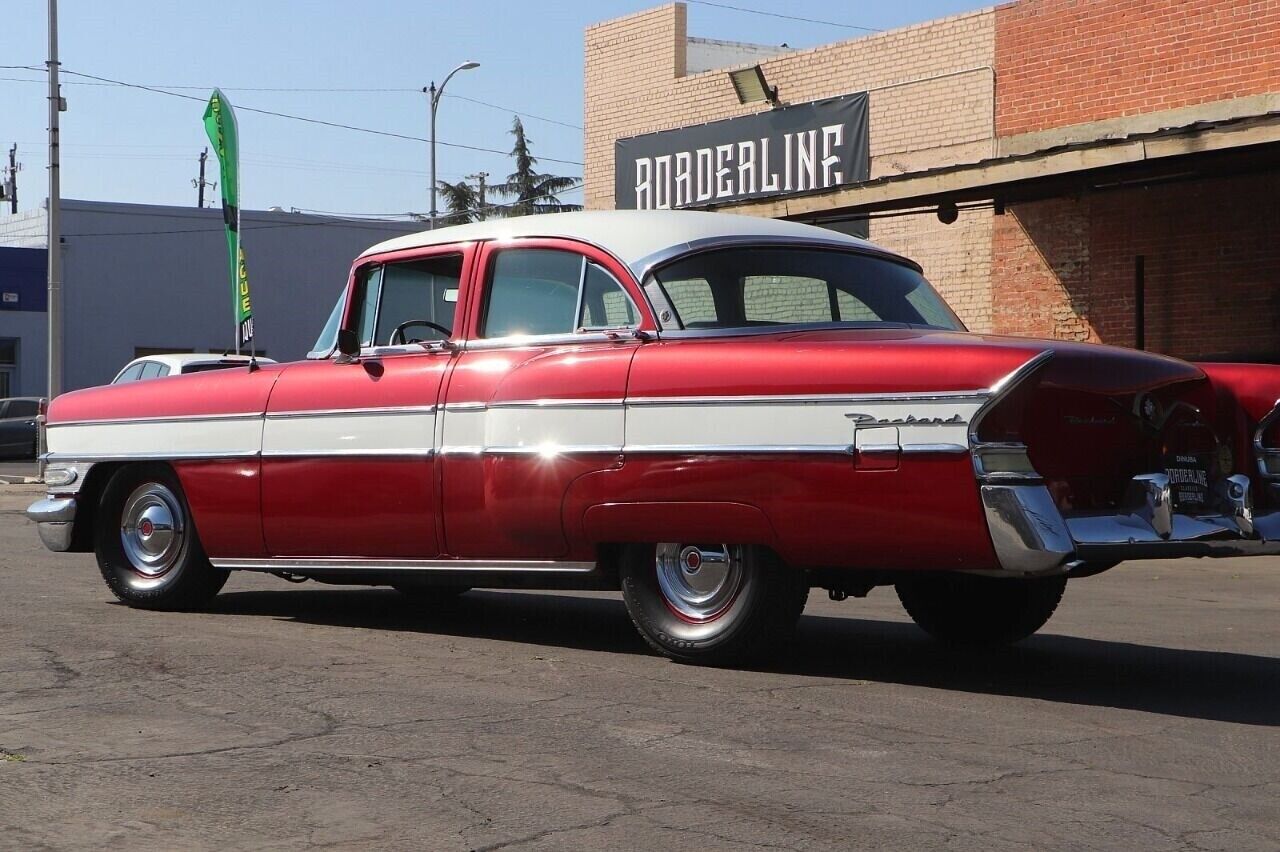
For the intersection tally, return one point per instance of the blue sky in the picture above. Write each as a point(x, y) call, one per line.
point(127, 145)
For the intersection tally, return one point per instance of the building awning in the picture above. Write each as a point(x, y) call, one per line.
point(1202, 149)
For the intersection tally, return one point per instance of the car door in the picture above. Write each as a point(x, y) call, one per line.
point(536, 398)
point(348, 445)
point(18, 426)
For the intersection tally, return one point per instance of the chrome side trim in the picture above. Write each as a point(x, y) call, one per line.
point(391, 452)
point(555, 403)
point(177, 418)
point(523, 342)
point(743, 449)
point(342, 564)
point(184, 456)
point(934, 448)
point(834, 398)
point(465, 406)
point(351, 412)
point(552, 450)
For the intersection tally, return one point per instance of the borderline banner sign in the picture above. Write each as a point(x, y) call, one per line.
point(802, 148)
point(220, 125)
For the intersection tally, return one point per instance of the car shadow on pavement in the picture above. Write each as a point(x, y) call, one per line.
point(1218, 686)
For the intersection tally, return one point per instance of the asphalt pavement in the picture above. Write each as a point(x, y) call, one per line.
point(1144, 716)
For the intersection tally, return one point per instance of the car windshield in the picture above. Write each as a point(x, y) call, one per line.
point(762, 287)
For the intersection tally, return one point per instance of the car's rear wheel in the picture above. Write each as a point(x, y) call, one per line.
point(969, 609)
point(711, 603)
point(146, 543)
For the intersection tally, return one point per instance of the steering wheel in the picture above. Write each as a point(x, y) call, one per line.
point(397, 336)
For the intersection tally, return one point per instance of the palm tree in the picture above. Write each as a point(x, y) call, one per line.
point(531, 192)
point(463, 203)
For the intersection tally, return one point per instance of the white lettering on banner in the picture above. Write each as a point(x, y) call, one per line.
point(832, 137)
point(768, 179)
point(747, 167)
point(811, 159)
point(643, 184)
point(703, 178)
point(724, 183)
point(786, 161)
point(662, 182)
point(684, 191)
point(806, 147)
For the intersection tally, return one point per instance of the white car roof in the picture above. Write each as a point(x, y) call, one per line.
point(178, 360)
point(630, 235)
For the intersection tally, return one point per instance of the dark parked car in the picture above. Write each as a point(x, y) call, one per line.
point(18, 426)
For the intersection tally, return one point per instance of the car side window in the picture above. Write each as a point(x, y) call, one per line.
point(409, 293)
point(533, 292)
point(693, 301)
point(604, 303)
point(150, 370)
point(163, 371)
point(130, 375)
point(22, 408)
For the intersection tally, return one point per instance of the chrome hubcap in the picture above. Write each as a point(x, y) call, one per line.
point(699, 581)
point(152, 529)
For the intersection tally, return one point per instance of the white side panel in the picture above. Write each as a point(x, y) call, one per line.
point(387, 433)
point(216, 437)
point(534, 429)
point(829, 425)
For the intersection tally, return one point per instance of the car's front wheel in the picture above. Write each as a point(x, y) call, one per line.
point(146, 544)
point(969, 609)
point(711, 603)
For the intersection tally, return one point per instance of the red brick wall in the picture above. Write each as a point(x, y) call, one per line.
point(1065, 267)
point(1064, 62)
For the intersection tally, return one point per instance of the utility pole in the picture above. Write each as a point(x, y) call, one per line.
point(434, 95)
point(56, 105)
point(480, 178)
point(201, 183)
point(11, 179)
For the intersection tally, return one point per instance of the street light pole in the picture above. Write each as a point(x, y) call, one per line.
point(54, 213)
point(435, 95)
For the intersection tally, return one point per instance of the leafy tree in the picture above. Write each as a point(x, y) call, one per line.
point(462, 202)
point(530, 191)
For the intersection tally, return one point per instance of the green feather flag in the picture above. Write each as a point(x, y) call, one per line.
point(220, 124)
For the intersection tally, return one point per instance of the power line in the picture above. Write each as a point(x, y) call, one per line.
point(516, 112)
point(286, 90)
point(308, 120)
point(785, 17)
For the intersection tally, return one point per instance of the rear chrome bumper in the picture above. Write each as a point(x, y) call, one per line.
point(55, 520)
point(1033, 538)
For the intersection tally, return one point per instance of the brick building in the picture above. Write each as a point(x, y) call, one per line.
point(1109, 167)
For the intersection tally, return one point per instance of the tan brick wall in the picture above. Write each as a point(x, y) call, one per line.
point(635, 83)
point(956, 258)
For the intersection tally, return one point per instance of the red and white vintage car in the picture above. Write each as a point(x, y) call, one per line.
point(712, 413)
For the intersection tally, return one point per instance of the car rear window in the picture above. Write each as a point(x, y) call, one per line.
point(776, 286)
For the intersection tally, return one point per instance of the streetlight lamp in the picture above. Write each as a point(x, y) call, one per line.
point(435, 103)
